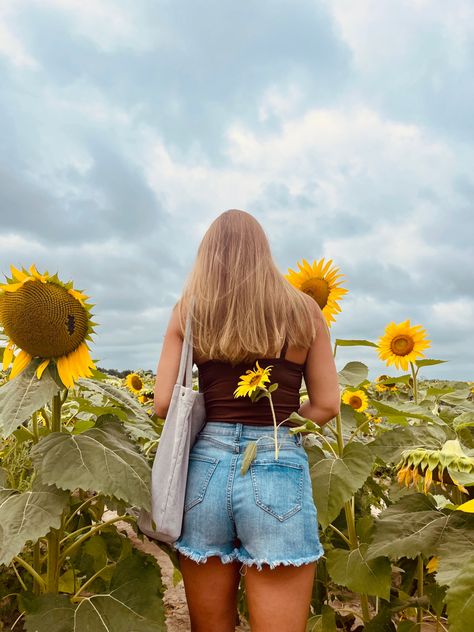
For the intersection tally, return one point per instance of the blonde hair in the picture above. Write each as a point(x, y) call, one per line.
point(243, 305)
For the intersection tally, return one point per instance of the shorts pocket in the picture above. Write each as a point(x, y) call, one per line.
point(278, 487)
point(200, 470)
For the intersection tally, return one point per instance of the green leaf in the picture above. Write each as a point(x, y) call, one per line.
point(340, 342)
point(336, 479)
point(436, 595)
point(273, 387)
point(464, 420)
point(456, 547)
point(28, 516)
point(100, 459)
point(414, 525)
point(427, 362)
point(352, 570)
point(24, 395)
point(405, 410)
point(132, 601)
point(249, 455)
point(382, 622)
point(460, 599)
point(389, 445)
point(324, 622)
point(456, 397)
point(353, 374)
point(139, 424)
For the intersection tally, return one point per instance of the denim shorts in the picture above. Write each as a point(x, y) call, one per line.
point(266, 516)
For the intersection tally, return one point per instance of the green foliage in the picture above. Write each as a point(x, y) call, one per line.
point(101, 458)
point(28, 516)
point(353, 570)
point(24, 395)
point(132, 600)
point(353, 374)
point(336, 479)
point(460, 598)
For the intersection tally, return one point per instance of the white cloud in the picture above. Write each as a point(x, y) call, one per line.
point(458, 314)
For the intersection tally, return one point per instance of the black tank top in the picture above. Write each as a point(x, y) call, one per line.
point(218, 381)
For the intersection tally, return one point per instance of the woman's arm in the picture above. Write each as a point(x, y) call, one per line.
point(168, 365)
point(320, 376)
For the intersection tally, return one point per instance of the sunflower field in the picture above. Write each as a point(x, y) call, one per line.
point(392, 474)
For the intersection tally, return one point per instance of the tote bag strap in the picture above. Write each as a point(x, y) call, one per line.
point(186, 362)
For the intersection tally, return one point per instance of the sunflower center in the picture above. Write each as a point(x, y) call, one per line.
point(254, 380)
point(317, 289)
point(402, 345)
point(355, 401)
point(43, 319)
point(136, 382)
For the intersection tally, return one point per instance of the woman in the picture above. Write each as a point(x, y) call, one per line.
point(262, 524)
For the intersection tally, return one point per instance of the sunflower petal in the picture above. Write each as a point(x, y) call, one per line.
point(63, 370)
point(41, 368)
point(20, 363)
point(7, 355)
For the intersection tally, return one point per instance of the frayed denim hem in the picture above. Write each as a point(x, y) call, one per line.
point(201, 558)
point(298, 562)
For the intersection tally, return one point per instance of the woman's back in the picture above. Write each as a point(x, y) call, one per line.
point(218, 380)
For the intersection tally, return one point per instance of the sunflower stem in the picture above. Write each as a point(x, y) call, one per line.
point(56, 413)
point(35, 427)
point(275, 428)
point(419, 588)
point(31, 571)
point(350, 520)
point(46, 418)
point(415, 388)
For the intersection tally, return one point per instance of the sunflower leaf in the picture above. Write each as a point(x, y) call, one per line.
point(336, 479)
point(100, 459)
point(133, 600)
point(389, 445)
point(28, 516)
point(340, 342)
point(249, 455)
point(353, 374)
point(352, 570)
point(415, 525)
point(22, 396)
point(138, 424)
point(460, 598)
point(428, 362)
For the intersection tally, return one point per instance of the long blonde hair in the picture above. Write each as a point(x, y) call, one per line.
point(243, 305)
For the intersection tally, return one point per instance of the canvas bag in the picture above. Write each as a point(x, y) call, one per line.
point(185, 417)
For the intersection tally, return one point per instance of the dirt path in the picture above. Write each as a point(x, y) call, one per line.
point(177, 615)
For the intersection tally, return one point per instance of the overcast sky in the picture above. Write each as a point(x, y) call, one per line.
point(346, 128)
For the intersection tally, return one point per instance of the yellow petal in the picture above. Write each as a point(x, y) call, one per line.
point(11, 287)
point(8, 355)
point(18, 275)
point(63, 370)
point(20, 363)
point(41, 368)
point(467, 506)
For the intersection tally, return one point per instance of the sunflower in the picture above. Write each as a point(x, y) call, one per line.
point(428, 465)
point(373, 418)
point(47, 319)
point(402, 344)
point(134, 382)
point(252, 380)
point(356, 399)
point(388, 386)
point(319, 282)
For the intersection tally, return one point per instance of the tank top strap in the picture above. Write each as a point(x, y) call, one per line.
point(284, 348)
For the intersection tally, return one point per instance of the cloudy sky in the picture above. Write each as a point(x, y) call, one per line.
point(345, 128)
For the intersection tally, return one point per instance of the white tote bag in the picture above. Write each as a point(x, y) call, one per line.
point(185, 418)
